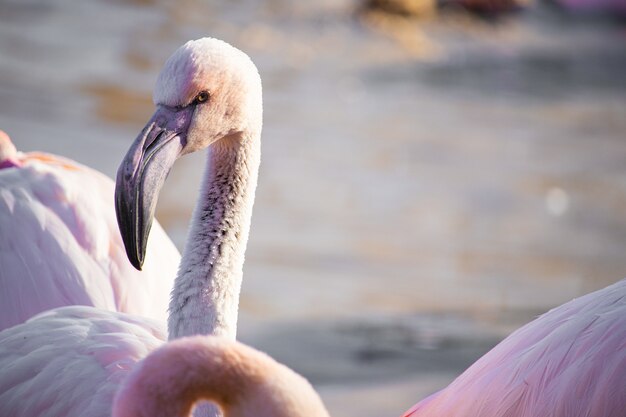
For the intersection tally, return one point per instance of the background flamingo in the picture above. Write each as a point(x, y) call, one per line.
point(60, 244)
point(243, 381)
point(569, 362)
point(69, 361)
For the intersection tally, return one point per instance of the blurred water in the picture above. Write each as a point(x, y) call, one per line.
point(457, 167)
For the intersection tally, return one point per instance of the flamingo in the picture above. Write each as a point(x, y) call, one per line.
point(243, 381)
point(60, 244)
point(570, 362)
point(70, 361)
point(617, 7)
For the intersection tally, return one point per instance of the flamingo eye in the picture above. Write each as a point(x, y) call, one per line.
point(202, 97)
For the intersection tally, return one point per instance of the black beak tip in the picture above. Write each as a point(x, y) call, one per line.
point(136, 261)
point(135, 254)
point(135, 249)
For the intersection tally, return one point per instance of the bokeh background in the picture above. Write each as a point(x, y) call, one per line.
point(432, 177)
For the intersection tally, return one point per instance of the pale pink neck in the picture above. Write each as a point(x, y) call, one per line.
point(205, 297)
point(242, 381)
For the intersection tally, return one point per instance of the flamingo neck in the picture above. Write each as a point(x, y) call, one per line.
point(241, 380)
point(205, 298)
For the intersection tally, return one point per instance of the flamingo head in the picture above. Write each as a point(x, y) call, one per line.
point(207, 93)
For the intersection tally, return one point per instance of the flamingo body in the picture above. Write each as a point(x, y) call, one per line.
point(569, 362)
point(70, 361)
point(60, 244)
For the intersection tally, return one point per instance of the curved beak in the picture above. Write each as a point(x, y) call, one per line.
point(142, 173)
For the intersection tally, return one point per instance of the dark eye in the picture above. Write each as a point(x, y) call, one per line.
point(201, 97)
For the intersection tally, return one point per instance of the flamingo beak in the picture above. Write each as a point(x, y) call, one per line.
point(142, 173)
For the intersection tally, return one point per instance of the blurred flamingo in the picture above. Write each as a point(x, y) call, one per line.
point(69, 361)
point(60, 244)
point(241, 380)
point(570, 362)
point(618, 7)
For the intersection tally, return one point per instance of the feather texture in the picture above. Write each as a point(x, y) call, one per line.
point(570, 362)
point(70, 361)
point(60, 245)
point(243, 381)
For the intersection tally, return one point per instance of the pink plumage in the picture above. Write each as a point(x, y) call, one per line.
point(243, 381)
point(60, 244)
point(570, 362)
point(8, 153)
point(70, 361)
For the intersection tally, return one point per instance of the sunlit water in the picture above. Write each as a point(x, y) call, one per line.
point(424, 180)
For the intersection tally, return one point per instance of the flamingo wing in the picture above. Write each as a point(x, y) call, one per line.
point(569, 362)
point(60, 245)
point(70, 361)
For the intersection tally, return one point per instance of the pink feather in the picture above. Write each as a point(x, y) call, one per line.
point(60, 244)
point(570, 362)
